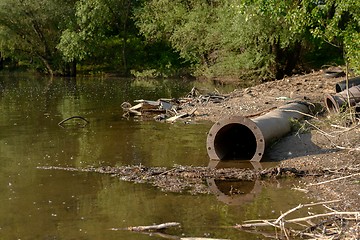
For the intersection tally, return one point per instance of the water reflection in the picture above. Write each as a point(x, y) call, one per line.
point(45, 204)
point(234, 192)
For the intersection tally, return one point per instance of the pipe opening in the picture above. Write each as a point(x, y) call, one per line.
point(235, 142)
point(330, 105)
point(357, 111)
point(338, 88)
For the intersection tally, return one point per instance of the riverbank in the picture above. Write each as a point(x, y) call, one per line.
point(327, 143)
point(323, 142)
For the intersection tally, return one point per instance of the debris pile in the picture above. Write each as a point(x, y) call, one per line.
point(170, 110)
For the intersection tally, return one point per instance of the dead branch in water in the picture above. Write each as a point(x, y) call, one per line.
point(73, 117)
point(335, 179)
point(155, 230)
point(323, 230)
point(150, 227)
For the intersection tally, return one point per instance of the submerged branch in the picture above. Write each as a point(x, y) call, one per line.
point(74, 117)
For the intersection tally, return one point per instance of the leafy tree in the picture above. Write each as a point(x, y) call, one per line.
point(336, 22)
point(225, 38)
point(30, 30)
point(102, 30)
point(244, 38)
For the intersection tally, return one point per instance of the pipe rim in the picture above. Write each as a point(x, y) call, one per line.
point(331, 104)
point(240, 120)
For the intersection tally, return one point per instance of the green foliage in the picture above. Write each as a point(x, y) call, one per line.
point(230, 38)
point(262, 38)
point(102, 34)
point(336, 22)
point(241, 39)
point(29, 30)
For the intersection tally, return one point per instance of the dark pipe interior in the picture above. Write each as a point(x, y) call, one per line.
point(338, 88)
point(341, 86)
point(235, 142)
point(330, 105)
point(357, 111)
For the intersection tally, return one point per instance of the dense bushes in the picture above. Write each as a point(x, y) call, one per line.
point(262, 39)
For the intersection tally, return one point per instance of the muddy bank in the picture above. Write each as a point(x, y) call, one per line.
point(194, 180)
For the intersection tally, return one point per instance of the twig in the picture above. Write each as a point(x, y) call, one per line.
point(264, 223)
point(260, 113)
point(296, 111)
point(300, 189)
point(335, 179)
point(321, 131)
point(321, 215)
point(287, 213)
point(347, 90)
point(149, 228)
point(344, 129)
point(168, 171)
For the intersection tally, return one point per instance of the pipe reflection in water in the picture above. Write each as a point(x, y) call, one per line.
point(234, 192)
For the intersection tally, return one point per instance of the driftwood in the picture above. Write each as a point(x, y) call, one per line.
point(335, 179)
point(153, 230)
point(182, 115)
point(150, 227)
point(171, 109)
point(323, 229)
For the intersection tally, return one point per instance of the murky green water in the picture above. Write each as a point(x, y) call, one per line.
point(53, 204)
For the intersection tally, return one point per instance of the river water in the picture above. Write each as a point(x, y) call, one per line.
point(55, 204)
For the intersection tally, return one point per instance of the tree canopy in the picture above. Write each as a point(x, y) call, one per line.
point(260, 39)
point(30, 30)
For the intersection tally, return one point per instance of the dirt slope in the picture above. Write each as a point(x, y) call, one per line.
point(336, 149)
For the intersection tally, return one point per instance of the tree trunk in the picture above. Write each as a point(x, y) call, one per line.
point(47, 65)
point(1, 62)
point(285, 59)
point(70, 69)
point(292, 58)
point(125, 37)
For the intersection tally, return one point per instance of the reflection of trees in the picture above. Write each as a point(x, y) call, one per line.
point(2, 86)
point(130, 204)
point(169, 144)
point(155, 89)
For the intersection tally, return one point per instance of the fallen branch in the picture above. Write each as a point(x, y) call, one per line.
point(149, 228)
point(280, 220)
point(335, 179)
point(260, 113)
point(355, 214)
point(296, 111)
point(152, 229)
point(182, 115)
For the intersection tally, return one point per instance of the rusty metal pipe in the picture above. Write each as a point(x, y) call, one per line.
point(339, 101)
point(241, 138)
point(341, 86)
